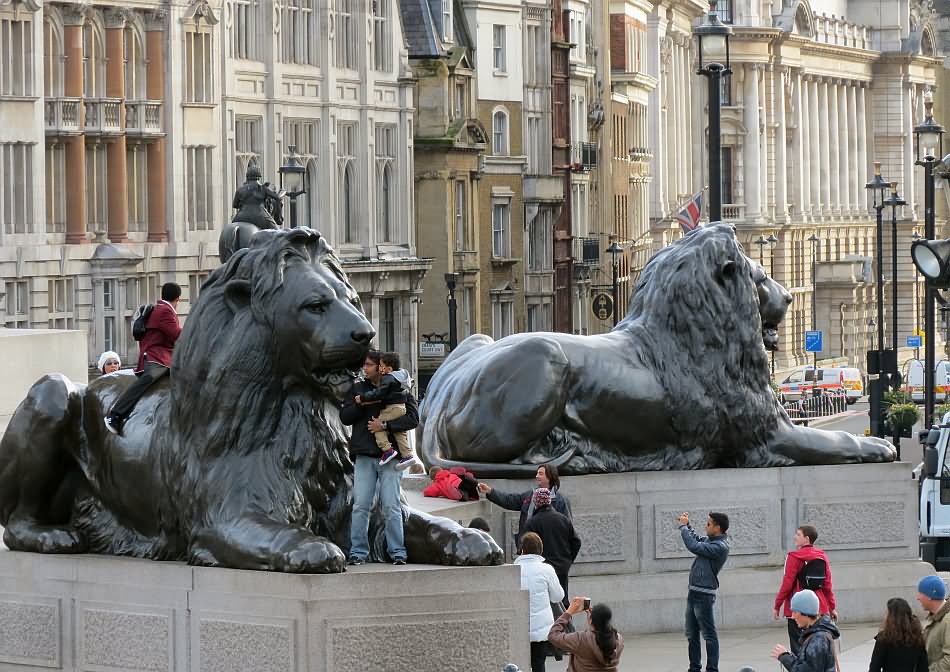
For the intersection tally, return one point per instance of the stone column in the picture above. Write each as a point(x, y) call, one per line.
point(803, 144)
point(824, 147)
point(155, 151)
point(833, 144)
point(862, 144)
point(752, 166)
point(780, 76)
point(115, 151)
point(844, 150)
point(853, 151)
point(814, 142)
point(76, 145)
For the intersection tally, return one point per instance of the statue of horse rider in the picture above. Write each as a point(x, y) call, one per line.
point(258, 207)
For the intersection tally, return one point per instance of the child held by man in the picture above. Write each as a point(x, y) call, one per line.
point(393, 387)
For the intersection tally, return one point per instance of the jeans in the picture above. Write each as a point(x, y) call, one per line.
point(700, 619)
point(367, 475)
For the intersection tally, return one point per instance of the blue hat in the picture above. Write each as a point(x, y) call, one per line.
point(932, 587)
point(805, 602)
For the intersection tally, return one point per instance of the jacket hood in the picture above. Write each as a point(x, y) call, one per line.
point(528, 557)
point(806, 553)
point(824, 624)
point(401, 375)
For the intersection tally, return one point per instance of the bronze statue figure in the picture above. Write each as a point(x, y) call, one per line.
point(239, 459)
point(258, 207)
point(681, 383)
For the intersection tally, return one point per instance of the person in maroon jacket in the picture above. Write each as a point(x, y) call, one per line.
point(155, 355)
point(805, 551)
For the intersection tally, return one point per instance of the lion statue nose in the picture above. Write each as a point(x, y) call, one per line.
point(363, 335)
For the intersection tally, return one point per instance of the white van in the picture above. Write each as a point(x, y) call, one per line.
point(801, 382)
point(913, 380)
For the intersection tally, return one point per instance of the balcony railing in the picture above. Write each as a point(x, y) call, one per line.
point(143, 117)
point(733, 211)
point(583, 156)
point(62, 115)
point(586, 251)
point(102, 115)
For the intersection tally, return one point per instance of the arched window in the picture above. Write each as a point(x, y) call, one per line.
point(500, 133)
point(94, 63)
point(384, 206)
point(52, 59)
point(927, 47)
point(134, 64)
point(347, 202)
point(316, 218)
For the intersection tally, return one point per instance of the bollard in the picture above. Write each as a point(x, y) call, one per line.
point(511, 667)
point(746, 669)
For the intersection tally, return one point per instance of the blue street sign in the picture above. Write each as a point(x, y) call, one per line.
point(914, 341)
point(813, 341)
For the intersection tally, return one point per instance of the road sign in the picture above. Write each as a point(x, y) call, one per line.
point(603, 306)
point(813, 341)
point(914, 341)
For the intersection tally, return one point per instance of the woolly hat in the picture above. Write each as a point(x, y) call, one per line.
point(805, 602)
point(932, 587)
point(542, 497)
point(106, 356)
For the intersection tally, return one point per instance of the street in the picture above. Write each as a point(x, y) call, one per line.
point(855, 420)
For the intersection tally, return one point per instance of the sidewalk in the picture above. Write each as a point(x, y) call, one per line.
point(666, 652)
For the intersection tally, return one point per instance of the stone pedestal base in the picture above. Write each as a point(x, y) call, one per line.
point(106, 613)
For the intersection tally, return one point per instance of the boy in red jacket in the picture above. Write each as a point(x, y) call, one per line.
point(805, 552)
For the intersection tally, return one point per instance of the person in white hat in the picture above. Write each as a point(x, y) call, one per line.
point(109, 362)
point(817, 653)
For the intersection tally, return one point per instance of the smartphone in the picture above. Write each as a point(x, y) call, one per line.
point(586, 603)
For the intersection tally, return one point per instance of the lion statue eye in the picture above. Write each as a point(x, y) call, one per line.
point(319, 307)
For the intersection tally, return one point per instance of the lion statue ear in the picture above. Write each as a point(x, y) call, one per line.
point(237, 294)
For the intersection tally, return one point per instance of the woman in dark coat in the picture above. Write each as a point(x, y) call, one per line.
point(899, 646)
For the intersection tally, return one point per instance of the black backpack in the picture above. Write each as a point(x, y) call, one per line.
point(812, 575)
point(139, 319)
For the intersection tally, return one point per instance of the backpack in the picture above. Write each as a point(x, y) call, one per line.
point(812, 575)
point(139, 319)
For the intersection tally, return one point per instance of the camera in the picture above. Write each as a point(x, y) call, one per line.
point(586, 603)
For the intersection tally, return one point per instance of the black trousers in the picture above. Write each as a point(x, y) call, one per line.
point(538, 650)
point(123, 406)
point(562, 579)
point(794, 636)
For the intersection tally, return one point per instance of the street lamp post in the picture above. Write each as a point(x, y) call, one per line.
point(293, 180)
point(772, 241)
point(615, 251)
point(878, 187)
point(451, 281)
point(894, 201)
point(929, 145)
point(713, 36)
point(814, 240)
point(761, 241)
point(915, 238)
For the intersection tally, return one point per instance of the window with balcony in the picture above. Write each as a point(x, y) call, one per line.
point(97, 189)
point(52, 59)
point(298, 37)
point(577, 36)
point(134, 64)
point(540, 243)
point(502, 314)
point(248, 145)
point(137, 186)
point(461, 228)
point(94, 61)
point(728, 176)
point(199, 172)
point(199, 59)
point(382, 45)
point(245, 21)
point(386, 336)
point(346, 163)
point(500, 132)
point(501, 228)
point(55, 188)
point(16, 63)
point(345, 34)
point(17, 314)
point(16, 187)
point(61, 303)
point(385, 188)
point(537, 143)
point(635, 36)
point(499, 49)
point(724, 10)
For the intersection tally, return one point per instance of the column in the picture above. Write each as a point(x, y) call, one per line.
point(862, 144)
point(802, 144)
point(750, 151)
point(115, 150)
point(834, 165)
point(824, 148)
point(155, 151)
point(814, 141)
point(844, 150)
point(856, 171)
point(656, 28)
point(76, 145)
point(781, 168)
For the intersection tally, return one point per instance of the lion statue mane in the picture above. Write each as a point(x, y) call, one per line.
point(238, 458)
point(682, 382)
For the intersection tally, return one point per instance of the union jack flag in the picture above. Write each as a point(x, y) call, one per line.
point(689, 216)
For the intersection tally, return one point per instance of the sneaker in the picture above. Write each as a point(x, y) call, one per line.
point(388, 457)
point(399, 561)
point(355, 561)
point(405, 462)
point(114, 424)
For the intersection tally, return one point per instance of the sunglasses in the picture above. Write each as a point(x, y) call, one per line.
point(111, 362)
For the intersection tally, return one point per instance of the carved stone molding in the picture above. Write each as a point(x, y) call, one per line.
point(157, 19)
point(200, 10)
point(29, 5)
point(117, 17)
point(76, 15)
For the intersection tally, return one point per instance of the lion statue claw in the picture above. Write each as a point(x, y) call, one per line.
point(681, 383)
point(238, 459)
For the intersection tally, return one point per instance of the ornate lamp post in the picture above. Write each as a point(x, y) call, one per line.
point(894, 201)
point(772, 241)
point(451, 281)
point(915, 238)
point(615, 251)
point(878, 187)
point(713, 37)
point(761, 241)
point(929, 146)
point(814, 240)
point(293, 180)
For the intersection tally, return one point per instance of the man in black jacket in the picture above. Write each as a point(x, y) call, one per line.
point(560, 541)
point(368, 472)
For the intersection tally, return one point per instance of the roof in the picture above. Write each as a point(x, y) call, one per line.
point(419, 30)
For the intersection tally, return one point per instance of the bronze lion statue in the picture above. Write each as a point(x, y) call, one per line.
point(239, 458)
point(682, 382)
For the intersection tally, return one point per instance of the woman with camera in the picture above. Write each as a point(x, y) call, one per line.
point(596, 649)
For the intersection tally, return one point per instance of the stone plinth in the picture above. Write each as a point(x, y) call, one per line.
point(107, 613)
point(29, 354)
point(633, 557)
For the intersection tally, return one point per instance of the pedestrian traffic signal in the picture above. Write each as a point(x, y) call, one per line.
point(932, 259)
